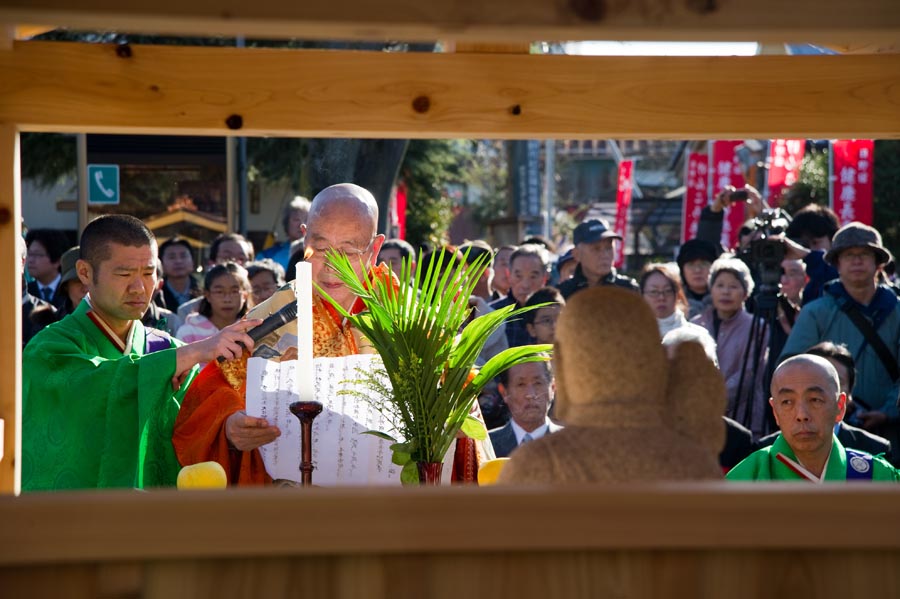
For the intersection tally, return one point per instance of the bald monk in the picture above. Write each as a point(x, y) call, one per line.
point(808, 402)
point(631, 413)
point(212, 424)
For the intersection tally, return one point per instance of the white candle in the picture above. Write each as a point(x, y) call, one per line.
point(305, 372)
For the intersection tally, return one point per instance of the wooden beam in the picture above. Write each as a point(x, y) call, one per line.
point(125, 525)
point(72, 87)
point(11, 298)
point(836, 21)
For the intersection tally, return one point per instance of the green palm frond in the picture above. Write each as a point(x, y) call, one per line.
point(425, 357)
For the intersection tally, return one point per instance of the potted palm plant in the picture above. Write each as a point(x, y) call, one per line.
point(416, 326)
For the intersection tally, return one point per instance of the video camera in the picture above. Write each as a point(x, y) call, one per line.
point(764, 254)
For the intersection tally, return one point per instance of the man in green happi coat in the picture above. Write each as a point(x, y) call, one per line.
point(807, 403)
point(100, 391)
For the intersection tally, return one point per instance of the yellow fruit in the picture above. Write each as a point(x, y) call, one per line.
point(490, 470)
point(205, 475)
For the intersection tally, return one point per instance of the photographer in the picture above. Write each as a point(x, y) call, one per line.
point(712, 217)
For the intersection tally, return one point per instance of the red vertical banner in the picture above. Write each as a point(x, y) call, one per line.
point(725, 169)
point(852, 173)
point(696, 194)
point(785, 158)
point(400, 211)
point(623, 206)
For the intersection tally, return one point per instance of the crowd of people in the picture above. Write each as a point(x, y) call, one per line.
point(800, 318)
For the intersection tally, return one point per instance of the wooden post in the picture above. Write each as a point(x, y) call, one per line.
point(11, 297)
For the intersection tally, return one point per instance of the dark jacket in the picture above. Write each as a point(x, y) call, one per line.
point(579, 282)
point(167, 299)
point(59, 297)
point(516, 333)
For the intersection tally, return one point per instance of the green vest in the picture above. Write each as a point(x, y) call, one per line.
point(93, 417)
point(762, 465)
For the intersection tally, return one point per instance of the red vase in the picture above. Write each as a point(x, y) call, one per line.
point(429, 472)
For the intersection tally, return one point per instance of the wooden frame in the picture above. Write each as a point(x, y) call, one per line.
point(229, 91)
point(142, 89)
point(662, 540)
point(813, 21)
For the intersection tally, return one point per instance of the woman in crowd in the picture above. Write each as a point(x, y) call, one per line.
point(661, 289)
point(224, 302)
point(742, 343)
point(694, 259)
point(541, 323)
point(266, 276)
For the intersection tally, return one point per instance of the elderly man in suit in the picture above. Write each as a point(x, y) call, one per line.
point(528, 391)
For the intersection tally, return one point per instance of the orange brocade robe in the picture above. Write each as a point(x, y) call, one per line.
point(220, 390)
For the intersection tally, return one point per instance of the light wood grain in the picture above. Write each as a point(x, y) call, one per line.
point(736, 573)
point(479, 20)
point(86, 87)
point(11, 299)
point(87, 526)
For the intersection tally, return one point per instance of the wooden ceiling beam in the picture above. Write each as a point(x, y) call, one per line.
point(74, 87)
point(810, 21)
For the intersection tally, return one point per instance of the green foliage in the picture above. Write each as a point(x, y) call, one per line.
point(887, 192)
point(47, 158)
point(430, 364)
point(488, 174)
point(429, 165)
point(812, 186)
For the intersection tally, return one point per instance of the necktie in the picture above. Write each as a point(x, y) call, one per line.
point(47, 293)
point(527, 438)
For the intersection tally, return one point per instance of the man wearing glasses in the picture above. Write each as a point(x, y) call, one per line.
point(212, 424)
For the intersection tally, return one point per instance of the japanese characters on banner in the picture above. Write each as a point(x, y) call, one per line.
point(696, 194)
point(623, 206)
point(725, 169)
point(852, 172)
point(785, 157)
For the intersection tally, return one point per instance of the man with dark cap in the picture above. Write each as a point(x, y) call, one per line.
point(595, 252)
point(864, 316)
point(695, 257)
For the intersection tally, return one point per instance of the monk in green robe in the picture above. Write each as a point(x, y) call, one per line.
point(100, 392)
point(807, 403)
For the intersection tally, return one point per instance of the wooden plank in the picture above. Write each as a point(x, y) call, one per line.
point(86, 526)
point(11, 298)
point(205, 91)
point(484, 574)
point(477, 20)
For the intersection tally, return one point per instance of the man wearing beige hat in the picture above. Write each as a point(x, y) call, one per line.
point(856, 311)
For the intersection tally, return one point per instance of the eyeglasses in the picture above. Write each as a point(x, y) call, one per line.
point(259, 290)
point(318, 254)
point(659, 293)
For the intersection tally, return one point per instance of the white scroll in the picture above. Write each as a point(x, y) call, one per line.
point(342, 454)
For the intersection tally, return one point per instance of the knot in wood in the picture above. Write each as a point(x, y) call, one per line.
point(421, 104)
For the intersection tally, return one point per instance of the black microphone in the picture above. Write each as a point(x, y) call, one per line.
point(272, 322)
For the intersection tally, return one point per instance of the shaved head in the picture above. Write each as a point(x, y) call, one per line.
point(347, 198)
point(342, 217)
point(821, 366)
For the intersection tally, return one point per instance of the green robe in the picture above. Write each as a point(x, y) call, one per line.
point(93, 417)
point(762, 465)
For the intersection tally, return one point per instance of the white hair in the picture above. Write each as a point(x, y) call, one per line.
point(736, 267)
point(693, 333)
